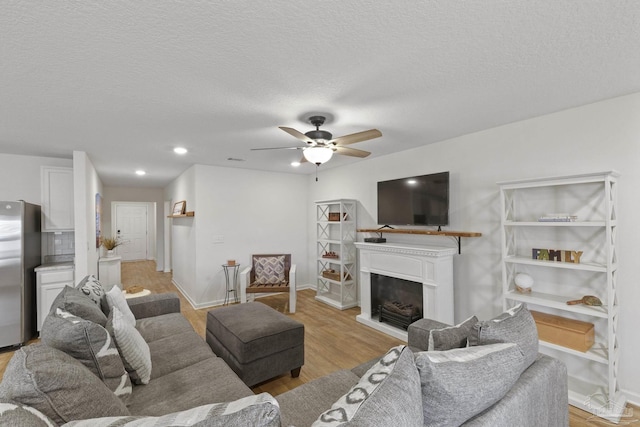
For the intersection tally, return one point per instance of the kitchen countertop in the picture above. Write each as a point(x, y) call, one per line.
point(55, 266)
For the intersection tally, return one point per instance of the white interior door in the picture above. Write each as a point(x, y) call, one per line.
point(131, 227)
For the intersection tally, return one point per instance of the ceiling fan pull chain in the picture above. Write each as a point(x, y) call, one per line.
point(317, 172)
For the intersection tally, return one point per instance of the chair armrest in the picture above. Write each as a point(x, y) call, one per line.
point(418, 332)
point(154, 305)
point(244, 283)
point(292, 277)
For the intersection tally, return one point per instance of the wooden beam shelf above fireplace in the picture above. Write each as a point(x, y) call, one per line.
point(457, 235)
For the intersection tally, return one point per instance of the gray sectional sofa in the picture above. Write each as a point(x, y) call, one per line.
point(54, 383)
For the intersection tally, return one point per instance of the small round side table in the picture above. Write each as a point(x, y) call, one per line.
point(231, 281)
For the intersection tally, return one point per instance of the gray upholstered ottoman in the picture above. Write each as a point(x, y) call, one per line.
point(256, 341)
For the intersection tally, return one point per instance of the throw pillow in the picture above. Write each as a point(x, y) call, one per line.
point(387, 394)
point(452, 336)
point(77, 303)
point(57, 385)
point(115, 298)
point(515, 325)
point(95, 290)
point(261, 410)
point(15, 414)
point(91, 345)
point(269, 270)
point(133, 349)
point(460, 383)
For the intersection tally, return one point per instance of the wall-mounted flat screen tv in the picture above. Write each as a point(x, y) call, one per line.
point(416, 200)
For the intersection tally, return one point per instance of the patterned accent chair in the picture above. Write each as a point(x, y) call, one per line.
point(269, 273)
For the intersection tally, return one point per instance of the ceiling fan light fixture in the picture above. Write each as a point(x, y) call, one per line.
point(319, 135)
point(317, 155)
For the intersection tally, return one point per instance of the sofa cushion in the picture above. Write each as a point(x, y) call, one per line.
point(77, 303)
point(387, 394)
point(115, 298)
point(163, 326)
point(208, 381)
point(256, 411)
point(515, 325)
point(178, 351)
point(460, 383)
point(304, 404)
point(131, 346)
point(15, 414)
point(451, 336)
point(57, 385)
point(91, 345)
point(269, 270)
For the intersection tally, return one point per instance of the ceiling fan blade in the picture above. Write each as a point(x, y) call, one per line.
point(357, 137)
point(296, 134)
point(347, 151)
point(278, 148)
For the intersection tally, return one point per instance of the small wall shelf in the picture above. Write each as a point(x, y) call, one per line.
point(457, 235)
point(184, 215)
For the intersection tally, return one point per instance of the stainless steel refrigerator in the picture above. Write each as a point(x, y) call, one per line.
point(20, 249)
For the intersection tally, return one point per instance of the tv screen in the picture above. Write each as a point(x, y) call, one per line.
point(416, 200)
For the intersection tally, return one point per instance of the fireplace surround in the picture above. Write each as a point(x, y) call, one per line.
point(431, 267)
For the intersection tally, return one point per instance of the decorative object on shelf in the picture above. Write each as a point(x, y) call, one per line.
point(134, 289)
point(110, 243)
point(335, 216)
point(335, 275)
point(524, 282)
point(556, 255)
point(179, 208)
point(574, 334)
point(231, 262)
point(586, 300)
point(330, 254)
point(558, 217)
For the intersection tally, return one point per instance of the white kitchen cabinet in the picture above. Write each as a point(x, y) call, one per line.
point(50, 280)
point(57, 199)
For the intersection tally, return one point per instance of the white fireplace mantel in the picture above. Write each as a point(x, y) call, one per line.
point(430, 266)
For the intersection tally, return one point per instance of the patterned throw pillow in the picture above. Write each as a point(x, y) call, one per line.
point(269, 270)
point(133, 349)
point(452, 336)
point(57, 385)
point(92, 288)
point(115, 298)
point(15, 414)
point(515, 325)
point(460, 383)
point(261, 410)
point(393, 382)
point(91, 345)
point(77, 303)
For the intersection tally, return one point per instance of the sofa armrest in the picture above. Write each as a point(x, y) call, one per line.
point(154, 305)
point(418, 332)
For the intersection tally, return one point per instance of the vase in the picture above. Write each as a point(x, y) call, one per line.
point(110, 253)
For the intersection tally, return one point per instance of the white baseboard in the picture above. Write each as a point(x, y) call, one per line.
point(633, 398)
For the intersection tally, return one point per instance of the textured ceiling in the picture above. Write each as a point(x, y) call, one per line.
point(126, 81)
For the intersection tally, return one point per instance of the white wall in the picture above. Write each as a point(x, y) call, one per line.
point(591, 138)
point(237, 213)
point(20, 176)
point(139, 194)
point(86, 183)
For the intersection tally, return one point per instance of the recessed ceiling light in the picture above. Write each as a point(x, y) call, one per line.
point(295, 164)
point(140, 172)
point(180, 150)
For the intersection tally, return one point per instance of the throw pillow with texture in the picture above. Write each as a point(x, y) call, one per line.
point(77, 303)
point(515, 325)
point(91, 345)
point(460, 383)
point(452, 336)
point(261, 410)
point(57, 385)
point(269, 270)
point(133, 349)
point(95, 290)
point(115, 298)
point(15, 414)
point(387, 394)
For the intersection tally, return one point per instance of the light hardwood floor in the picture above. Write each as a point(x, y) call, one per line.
point(333, 338)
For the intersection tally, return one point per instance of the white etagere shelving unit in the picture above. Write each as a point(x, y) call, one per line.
point(336, 235)
point(592, 198)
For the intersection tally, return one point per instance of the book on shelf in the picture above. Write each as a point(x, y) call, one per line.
point(558, 218)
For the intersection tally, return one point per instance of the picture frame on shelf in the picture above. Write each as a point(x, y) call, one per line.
point(179, 208)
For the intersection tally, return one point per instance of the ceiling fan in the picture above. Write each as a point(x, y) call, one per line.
point(320, 144)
